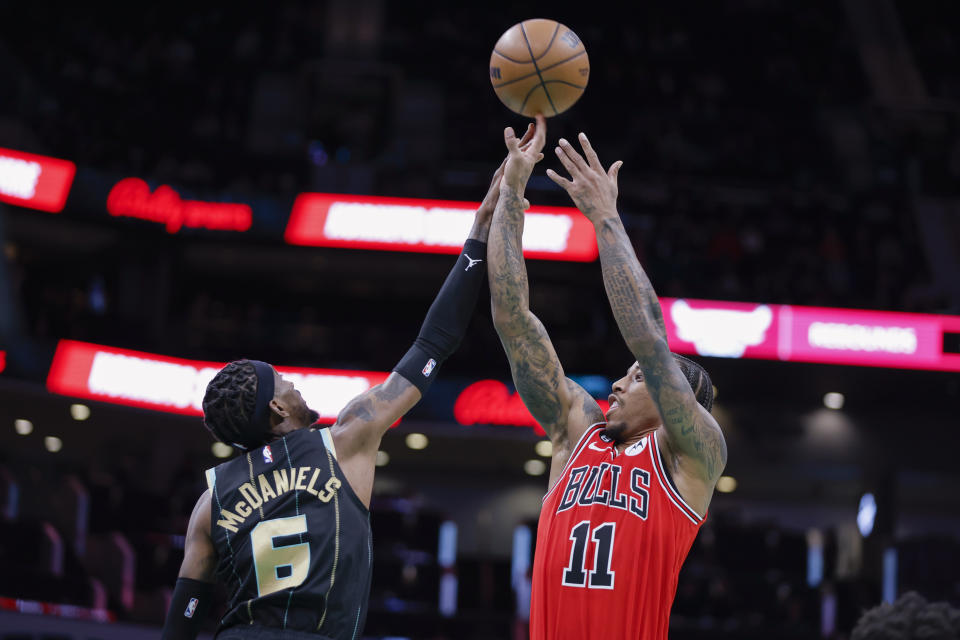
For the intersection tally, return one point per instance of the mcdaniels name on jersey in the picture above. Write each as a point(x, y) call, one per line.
point(584, 484)
point(265, 488)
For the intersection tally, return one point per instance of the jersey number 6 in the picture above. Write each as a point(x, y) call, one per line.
point(284, 566)
point(600, 577)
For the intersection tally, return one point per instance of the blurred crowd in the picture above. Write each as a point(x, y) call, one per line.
point(107, 538)
point(741, 180)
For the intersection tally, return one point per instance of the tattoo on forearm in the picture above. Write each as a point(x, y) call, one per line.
point(536, 371)
point(638, 314)
point(632, 298)
point(506, 269)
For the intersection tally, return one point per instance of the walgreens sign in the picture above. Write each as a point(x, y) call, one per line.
point(428, 226)
point(175, 385)
point(35, 182)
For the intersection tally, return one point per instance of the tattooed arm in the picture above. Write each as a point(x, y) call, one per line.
point(559, 405)
point(693, 436)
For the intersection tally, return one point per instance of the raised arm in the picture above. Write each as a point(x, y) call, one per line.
point(560, 406)
point(363, 422)
point(693, 435)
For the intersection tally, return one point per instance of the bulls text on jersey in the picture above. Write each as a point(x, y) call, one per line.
point(587, 486)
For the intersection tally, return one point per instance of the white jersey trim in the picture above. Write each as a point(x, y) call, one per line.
point(672, 493)
point(328, 441)
point(211, 474)
point(573, 455)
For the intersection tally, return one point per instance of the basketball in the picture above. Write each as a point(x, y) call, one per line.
point(539, 66)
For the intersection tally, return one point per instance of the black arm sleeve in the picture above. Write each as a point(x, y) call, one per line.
point(188, 609)
point(448, 317)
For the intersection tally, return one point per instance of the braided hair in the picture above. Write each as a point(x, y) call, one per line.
point(699, 380)
point(230, 401)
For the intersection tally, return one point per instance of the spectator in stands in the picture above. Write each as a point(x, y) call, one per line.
point(910, 617)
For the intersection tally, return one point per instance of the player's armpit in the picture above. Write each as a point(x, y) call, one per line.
point(362, 423)
point(199, 554)
point(693, 434)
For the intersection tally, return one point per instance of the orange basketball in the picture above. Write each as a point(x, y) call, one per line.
point(539, 66)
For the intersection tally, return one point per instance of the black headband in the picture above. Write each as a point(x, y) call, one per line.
point(259, 424)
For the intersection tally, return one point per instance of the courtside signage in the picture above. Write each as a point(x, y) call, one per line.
point(132, 198)
point(810, 334)
point(35, 182)
point(428, 226)
point(175, 385)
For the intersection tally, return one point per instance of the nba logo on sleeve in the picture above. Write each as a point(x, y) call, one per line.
point(267, 455)
point(428, 368)
point(191, 608)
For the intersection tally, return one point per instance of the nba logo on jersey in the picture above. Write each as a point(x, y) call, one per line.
point(191, 608)
point(267, 455)
point(428, 368)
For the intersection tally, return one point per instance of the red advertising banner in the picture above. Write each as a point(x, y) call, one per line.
point(810, 334)
point(3, 361)
point(428, 226)
point(35, 182)
point(175, 385)
point(491, 402)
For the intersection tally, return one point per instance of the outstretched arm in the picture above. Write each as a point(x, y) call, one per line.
point(559, 405)
point(693, 434)
point(363, 422)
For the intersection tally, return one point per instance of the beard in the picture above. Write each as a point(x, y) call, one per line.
point(312, 416)
point(614, 431)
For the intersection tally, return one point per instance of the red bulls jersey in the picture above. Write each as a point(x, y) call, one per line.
point(613, 534)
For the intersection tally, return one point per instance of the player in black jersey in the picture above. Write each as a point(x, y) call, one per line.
point(286, 525)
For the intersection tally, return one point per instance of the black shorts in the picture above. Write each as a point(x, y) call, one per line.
point(256, 632)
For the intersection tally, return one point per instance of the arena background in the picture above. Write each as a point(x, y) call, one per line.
point(784, 162)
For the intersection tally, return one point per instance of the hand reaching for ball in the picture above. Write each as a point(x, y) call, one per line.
point(593, 190)
point(522, 155)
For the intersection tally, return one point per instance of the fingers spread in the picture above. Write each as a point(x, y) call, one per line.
point(565, 159)
point(588, 151)
point(560, 180)
point(572, 155)
point(510, 138)
point(528, 135)
point(540, 133)
point(615, 169)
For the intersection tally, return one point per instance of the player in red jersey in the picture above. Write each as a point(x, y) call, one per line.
point(629, 490)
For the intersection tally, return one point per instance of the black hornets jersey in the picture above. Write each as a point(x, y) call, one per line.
point(293, 540)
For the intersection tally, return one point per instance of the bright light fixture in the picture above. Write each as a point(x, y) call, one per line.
point(534, 467)
point(544, 448)
point(417, 441)
point(23, 427)
point(79, 411)
point(726, 484)
point(833, 400)
point(221, 450)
